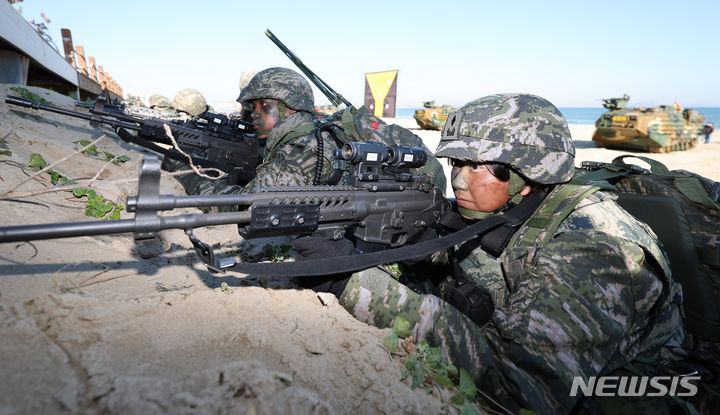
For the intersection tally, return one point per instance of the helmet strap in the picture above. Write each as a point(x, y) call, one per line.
point(475, 214)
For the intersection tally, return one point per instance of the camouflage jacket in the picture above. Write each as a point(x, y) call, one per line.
point(592, 299)
point(291, 164)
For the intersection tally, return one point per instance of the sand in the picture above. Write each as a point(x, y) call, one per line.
point(100, 324)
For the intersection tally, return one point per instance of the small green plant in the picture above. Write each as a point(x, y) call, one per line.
point(97, 206)
point(38, 162)
point(93, 152)
point(224, 287)
point(4, 149)
point(27, 94)
point(278, 252)
point(426, 368)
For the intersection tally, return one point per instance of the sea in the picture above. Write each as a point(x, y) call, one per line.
point(580, 115)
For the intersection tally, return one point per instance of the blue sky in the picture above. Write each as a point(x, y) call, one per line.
point(573, 53)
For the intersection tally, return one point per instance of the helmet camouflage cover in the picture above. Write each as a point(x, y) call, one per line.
point(191, 101)
point(282, 84)
point(523, 131)
point(157, 100)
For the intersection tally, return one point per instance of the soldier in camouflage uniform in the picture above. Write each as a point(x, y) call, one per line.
point(160, 102)
point(593, 297)
point(277, 101)
point(190, 101)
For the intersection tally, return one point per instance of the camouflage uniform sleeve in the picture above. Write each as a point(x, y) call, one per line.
point(582, 308)
point(294, 164)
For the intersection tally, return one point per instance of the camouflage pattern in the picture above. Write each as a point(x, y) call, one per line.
point(246, 76)
point(703, 218)
point(293, 164)
point(293, 145)
point(585, 303)
point(133, 100)
point(524, 131)
point(657, 129)
point(282, 84)
point(432, 117)
point(190, 101)
point(159, 101)
point(167, 114)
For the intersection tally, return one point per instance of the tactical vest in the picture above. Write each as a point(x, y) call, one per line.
point(353, 124)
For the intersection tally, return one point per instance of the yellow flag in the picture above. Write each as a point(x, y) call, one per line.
point(382, 88)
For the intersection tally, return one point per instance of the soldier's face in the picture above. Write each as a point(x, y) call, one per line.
point(476, 188)
point(264, 114)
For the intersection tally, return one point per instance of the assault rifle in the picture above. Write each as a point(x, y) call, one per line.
point(387, 205)
point(102, 103)
point(212, 140)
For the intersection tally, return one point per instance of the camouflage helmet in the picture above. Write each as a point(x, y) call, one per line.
point(157, 100)
point(282, 84)
point(246, 76)
point(191, 101)
point(523, 131)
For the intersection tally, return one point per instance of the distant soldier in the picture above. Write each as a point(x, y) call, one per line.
point(246, 76)
point(708, 129)
point(133, 100)
point(160, 102)
point(190, 101)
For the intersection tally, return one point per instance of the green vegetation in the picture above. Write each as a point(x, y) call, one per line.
point(96, 205)
point(4, 149)
point(278, 252)
point(38, 162)
point(93, 152)
point(426, 369)
point(27, 94)
point(87, 100)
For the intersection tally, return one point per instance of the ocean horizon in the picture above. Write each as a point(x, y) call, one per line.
point(585, 115)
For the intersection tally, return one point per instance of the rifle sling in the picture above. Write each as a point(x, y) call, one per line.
point(350, 263)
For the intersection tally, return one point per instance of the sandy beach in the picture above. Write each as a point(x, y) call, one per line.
point(102, 325)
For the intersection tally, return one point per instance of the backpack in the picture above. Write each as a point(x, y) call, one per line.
point(682, 209)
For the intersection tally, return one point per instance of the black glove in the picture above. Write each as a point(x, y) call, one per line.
point(309, 247)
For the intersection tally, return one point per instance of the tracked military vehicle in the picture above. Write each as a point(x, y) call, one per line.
point(432, 117)
point(658, 129)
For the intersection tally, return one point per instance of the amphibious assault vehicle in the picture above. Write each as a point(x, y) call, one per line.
point(658, 129)
point(432, 117)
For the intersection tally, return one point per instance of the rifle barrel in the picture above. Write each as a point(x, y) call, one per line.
point(26, 103)
point(154, 224)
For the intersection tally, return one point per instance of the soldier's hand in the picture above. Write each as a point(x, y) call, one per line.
point(309, 247)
